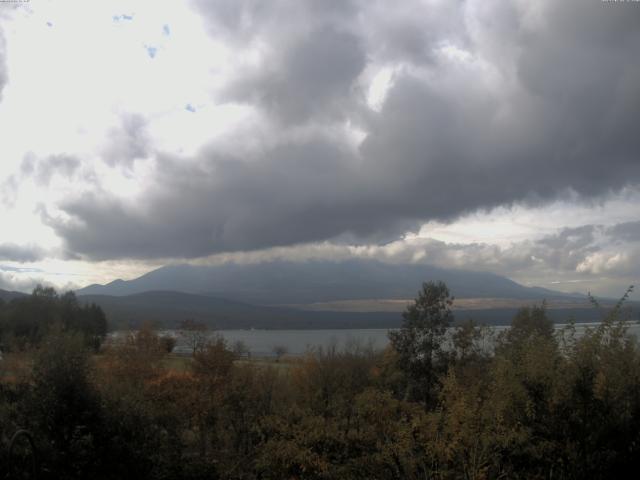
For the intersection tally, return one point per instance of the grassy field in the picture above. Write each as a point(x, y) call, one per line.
point(399, 305)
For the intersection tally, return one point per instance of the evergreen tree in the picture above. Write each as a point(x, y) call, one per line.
point(420, 340)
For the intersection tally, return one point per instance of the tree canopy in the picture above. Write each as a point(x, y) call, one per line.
point(419, 342)
point(26, 320)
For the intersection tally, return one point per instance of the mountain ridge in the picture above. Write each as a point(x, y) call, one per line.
point(283, 282)
point(8, 295)
point(166, 309)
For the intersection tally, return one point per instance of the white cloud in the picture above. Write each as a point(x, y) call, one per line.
point(379, 87)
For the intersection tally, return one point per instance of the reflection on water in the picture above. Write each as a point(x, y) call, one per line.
point(297, 342)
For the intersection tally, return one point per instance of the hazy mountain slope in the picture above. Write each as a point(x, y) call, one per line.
point(7, 296)
point(167, 309)
point(317, 281)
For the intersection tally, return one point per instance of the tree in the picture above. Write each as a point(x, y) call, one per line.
point(419, 341)
point(168, 343)
point(240, 348)
point(280, 351)
point(213, 361)
point(212, 366)
point(465, 341)
point(529, 322)
point(28, 319)
point(63, 405)
point(194, 334)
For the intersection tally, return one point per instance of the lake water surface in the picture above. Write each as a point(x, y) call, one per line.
point(298, 342)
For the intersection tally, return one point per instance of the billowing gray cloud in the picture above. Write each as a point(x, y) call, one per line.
point(243, 21)
point(572, 255)
point(13, 280)
point(628, 231)
point(311, 78)
point(6, 12)
point(128, 141)
point(568, 256)
point(20, 253)
point(577, 258)
point(312, 55)
point(9, 190)
point(568, 248)
point(488, 106)
point(42, 170)
point(212, 206)
point(413, 31)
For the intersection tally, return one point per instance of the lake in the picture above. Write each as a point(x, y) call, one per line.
point(297, 342)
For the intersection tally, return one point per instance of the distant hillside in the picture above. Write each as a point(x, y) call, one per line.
point(7, 296)
point(166, 309)
point(283, 282)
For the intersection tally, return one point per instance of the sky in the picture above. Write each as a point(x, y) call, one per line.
point(486, 135)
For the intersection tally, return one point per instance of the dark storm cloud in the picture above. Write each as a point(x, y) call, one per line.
point(20, 253)
point(242, 21)
point(625, 232)
point(295, 194)
point(312, 54)
point(312, 78)
point(411, 31)
point(527, 105)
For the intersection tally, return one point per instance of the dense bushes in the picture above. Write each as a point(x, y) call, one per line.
point(538, 404)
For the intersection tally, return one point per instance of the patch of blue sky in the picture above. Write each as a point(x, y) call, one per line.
point(7, 268)
point(151, 51)
point(123, 17)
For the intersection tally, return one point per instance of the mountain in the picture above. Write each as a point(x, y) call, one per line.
point(7, 296)
point(167, 309)
point(282, 282)
point(319, 295)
